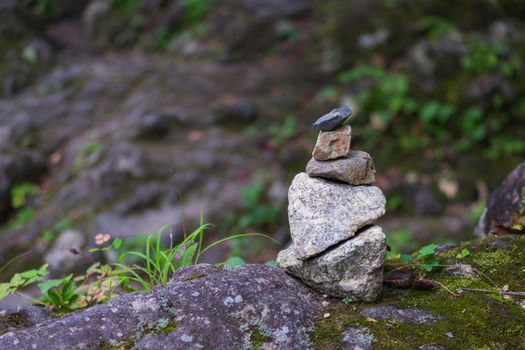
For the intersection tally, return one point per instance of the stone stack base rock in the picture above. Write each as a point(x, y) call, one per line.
point(336, 247)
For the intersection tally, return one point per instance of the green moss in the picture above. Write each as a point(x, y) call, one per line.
point(13, 320)
point(120, 345)
point(194, 276)
point(165, 326)
point(257, 339)
point(477, 321)
point(492, 261)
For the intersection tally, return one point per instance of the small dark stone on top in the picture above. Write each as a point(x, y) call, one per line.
point(332, 120)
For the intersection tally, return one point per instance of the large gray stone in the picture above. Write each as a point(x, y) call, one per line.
point(357, 169)
point(352, 269)
point(322, 214)
point(505, 209)
point(202, 307)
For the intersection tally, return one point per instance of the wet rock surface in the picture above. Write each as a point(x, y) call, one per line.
point(202, 307)
point(322, 213)
point(408, 316)
point(127, 168)
point(357, 169)
point(352, 269)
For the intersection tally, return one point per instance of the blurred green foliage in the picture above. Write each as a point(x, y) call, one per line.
point(137, 22)
point(20, 193)
point(395, 106)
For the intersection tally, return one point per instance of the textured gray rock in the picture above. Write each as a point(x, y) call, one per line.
point(357, 338)
point(462, 270)
point(352, 269)
point(22, 316)
point(202, 307)
point(333, 144)
point(505, 208)
point(332, 120)
point(408, 316)
point(357, 169)
point(322, 214)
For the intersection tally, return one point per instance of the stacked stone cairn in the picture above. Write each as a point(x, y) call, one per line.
point(336, 248)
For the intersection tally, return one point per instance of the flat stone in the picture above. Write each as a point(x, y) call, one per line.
point(333, 144)
point(357, 338)
point(462, 270)
point(332, 120)
point(322, 213)
point(357, 169)
point(408, 316)
point(351, 269)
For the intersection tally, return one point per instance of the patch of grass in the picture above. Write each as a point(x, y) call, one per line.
point(134, 270)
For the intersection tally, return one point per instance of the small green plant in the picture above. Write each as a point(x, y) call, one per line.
point(347, 300)
point(20, 194)
point(22, 279)
point(101, 282)
point(61, 294)
point(156, 264)
point(463, 254)
point(424, 258)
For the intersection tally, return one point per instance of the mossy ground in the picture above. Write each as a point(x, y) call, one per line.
point(475, 320)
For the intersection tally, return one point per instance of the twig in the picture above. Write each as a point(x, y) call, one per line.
point(445, 288)
point(20, 256)
point(521, 294)
point(487, 277)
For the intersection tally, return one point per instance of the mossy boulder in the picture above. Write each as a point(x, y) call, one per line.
point(457, 320)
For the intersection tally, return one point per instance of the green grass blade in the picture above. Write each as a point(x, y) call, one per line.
point(238, 236)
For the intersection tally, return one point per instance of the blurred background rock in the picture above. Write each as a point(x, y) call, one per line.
point(120, 116)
